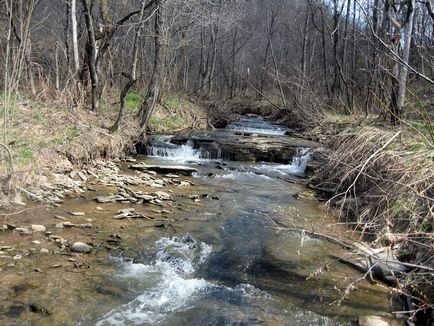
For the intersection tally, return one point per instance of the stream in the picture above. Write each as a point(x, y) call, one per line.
point(227, 261)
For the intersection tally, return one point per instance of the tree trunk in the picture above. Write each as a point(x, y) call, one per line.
point(406, 56)
point(132, 77)
point(91, 49)
point(214, 36)
point(150, 101)
point(73, 11)
point(303, 60)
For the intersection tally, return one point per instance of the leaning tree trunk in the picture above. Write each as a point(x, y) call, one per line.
point(151, 98)
point(132, 76)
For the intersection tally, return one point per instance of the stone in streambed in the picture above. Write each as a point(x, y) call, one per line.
point(77, 213)
point(380, 321)
point(81, 247)
point(24, 231)
point(38, 228)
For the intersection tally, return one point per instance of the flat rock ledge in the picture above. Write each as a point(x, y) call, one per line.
point(177, 169)
point(238, 146)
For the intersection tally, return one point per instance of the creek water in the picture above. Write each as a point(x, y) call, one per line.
point(227, 262)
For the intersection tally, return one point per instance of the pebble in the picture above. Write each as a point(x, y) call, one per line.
point(81, 247)
point(38, 228)
point(36, 242)
point(18, 257)
point(98, 208)
point(44, 251)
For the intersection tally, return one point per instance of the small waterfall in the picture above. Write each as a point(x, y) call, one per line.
point(299, 162)
point(297, 166)
point(163, 148)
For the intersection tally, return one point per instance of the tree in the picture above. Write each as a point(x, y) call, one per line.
point(160, 35)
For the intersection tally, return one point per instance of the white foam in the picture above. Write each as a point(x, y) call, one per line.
point(182, 153)
point(236, 175)
point(173, 285)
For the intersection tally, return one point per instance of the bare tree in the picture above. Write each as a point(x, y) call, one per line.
point(160, 35)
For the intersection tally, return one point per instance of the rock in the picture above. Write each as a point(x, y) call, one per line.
point(77, 213)
point(126, 210)
point(24, 231)
point(121, 216)
point(39, 309)
point(18, 257)
point(44, 251)
point(81, 247)
point(38, 228)
point(146, 198)
point(266, 148)
point(380, 321)
point(59, 217)
point(99, 208)
point(163, 195)
point(72, 225)
point(82, 176)
point(36, 242)
point(10, 226)
point(178, 169)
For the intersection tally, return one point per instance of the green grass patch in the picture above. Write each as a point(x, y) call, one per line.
point(423, 127)
point(334, 117)
point(133, 100)
point(167, 122)
point(173, 101)
point(72, 133)
point(24, 156)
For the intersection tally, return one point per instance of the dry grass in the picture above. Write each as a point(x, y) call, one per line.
point(46, 139)
point(384, 181)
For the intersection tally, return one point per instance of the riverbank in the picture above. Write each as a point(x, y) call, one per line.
point(50, 142)
point(381, 180)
